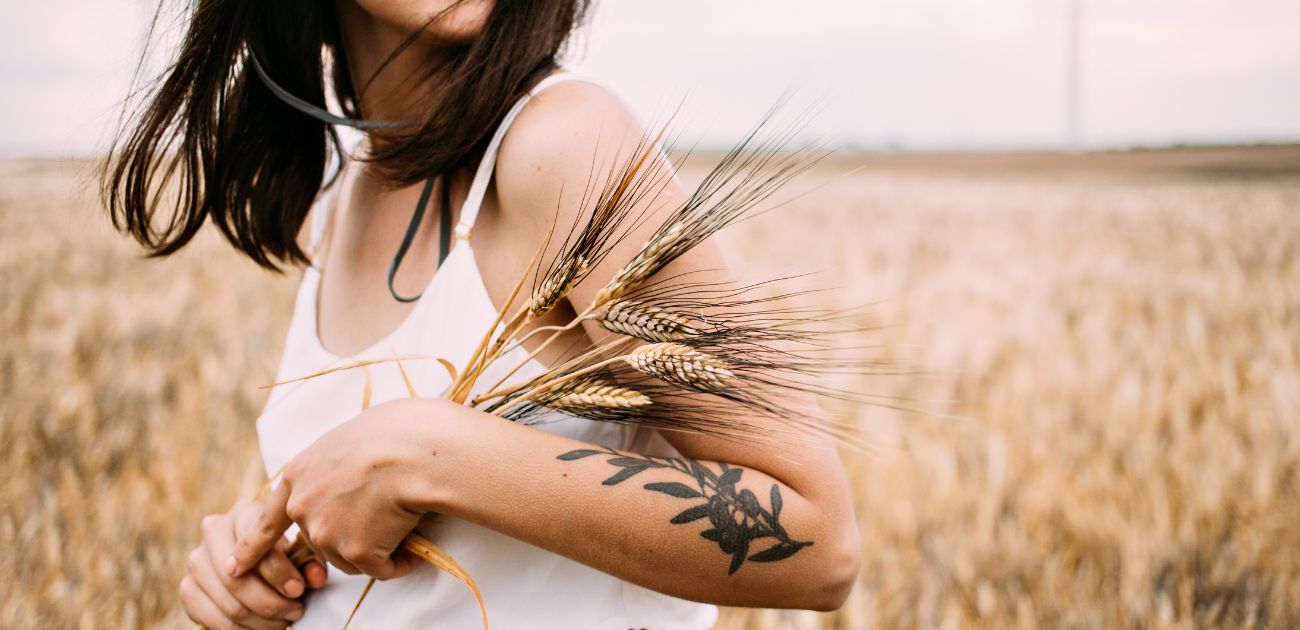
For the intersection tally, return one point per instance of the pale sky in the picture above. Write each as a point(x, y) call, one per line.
point(920, 74)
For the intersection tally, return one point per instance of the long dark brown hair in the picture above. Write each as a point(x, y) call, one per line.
point(211, 141)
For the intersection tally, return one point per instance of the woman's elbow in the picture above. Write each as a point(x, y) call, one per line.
point(825, 582)
point(840, 574)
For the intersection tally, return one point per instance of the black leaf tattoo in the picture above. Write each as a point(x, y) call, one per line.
point(578, 454)
point(679, 490)
point(736, 518)
point(691, 514)
point(623, 475)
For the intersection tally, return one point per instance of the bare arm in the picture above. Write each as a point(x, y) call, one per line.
point(701, 530)
point(671, 525)
point(576, 131)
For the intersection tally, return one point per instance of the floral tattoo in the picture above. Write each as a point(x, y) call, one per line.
point(736, 516)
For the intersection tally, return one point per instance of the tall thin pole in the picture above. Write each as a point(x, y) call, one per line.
point(1073, 76)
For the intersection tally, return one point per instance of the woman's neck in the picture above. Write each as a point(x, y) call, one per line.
point(406, 85)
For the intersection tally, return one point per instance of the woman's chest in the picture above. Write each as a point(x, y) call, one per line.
point(354, 304)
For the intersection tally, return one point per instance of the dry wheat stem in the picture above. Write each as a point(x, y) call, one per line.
point(431, 553)
point(626, 319)
point(556, 331)
point(604, 354)
point(669, 362)
point(357, 606)
point(577, 362)
point(647, 322)
point(461, 390)
point(300, 553)
point(475, 364)
point(552, 384)
point(699, 417)
point(353, 366)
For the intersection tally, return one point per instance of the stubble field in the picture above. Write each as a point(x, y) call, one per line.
point(1105, 355)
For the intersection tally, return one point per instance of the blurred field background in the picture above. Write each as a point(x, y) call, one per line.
point(1108, 433)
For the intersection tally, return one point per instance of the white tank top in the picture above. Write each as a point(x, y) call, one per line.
point(523, 586)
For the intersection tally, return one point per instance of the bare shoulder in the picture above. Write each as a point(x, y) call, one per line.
point(568, 133)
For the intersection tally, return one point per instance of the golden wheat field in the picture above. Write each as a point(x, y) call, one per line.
point(1103, 368)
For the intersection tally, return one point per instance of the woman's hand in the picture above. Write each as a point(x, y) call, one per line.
point(357, 491)
point(265, 598)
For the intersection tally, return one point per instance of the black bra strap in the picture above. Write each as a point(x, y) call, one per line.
point(444, 234)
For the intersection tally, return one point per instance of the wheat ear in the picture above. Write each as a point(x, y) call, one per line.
point(599, 396)
point(645, 322)
point(680, 365)
point(626, 317)
point(555, 287)
point(606, 226)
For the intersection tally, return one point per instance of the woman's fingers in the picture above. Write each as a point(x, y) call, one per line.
point(261, 535)
point(251, 592)
point(376, 564)
point(315, 573)
point(231, 609)
point(404, 562)
point(275, 567)
point(315, 570)
point(280, 573)
point(199, 607)
point(338, 561)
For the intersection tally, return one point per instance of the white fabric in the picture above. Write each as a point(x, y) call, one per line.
point(524, 586)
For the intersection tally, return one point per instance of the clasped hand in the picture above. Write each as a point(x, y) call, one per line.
point(357, 491)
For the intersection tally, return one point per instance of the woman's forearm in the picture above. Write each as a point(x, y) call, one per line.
point(700, 530)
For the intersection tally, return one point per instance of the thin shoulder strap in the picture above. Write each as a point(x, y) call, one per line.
point(483, 176)
point(320, 224)
point(326, 202)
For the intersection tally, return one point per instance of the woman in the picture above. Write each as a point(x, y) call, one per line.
point(466, 106)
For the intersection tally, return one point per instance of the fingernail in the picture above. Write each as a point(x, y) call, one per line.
point(231, 566)
point(315, 575)
point(294, 614)
point(293, 587)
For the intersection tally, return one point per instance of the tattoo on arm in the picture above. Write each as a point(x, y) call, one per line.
point(736, 516)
